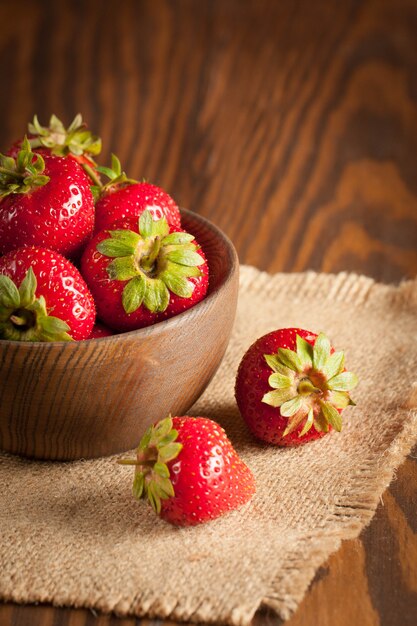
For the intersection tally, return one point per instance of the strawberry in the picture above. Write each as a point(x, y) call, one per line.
point(75, 141)
point(43, 297)
point(123, 198)
point(99, 330)
point(291, 387)
point(143, 272)
point(44, 201)
point(188, 470)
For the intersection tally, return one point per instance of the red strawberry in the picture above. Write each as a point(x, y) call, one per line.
point(189, 471)
point(291, 387)
point(143, 273)
point(43, 297)
point(123, 198)
point(75, 141)
point(44, 202)
point(99, 330)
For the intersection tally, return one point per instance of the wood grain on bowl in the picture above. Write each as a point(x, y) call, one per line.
point(93, 398)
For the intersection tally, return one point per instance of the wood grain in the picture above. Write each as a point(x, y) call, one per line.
point(293, 126)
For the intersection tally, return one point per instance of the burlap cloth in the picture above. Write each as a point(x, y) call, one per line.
point(71, 533)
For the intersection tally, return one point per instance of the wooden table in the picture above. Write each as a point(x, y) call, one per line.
point(292, 125)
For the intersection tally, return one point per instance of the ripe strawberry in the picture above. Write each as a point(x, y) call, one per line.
point(75, 141)
point(99, 330)
point(291, 387)
point(189, 471)
point(123, 198)
point(143, 273)
point(44, 202)
point(35, 283)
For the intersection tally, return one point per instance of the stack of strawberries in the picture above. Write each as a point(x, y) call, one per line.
point(60, 211)
point(79, 238)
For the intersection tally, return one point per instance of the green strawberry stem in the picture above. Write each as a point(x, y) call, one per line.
point(92, 174)
point(157, 447)
point(309, 385)
point(136, 462)
point(22, 174)
point(148, 261)
point(154, 263)
point(24, 317)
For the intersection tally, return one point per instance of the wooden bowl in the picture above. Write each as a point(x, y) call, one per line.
point(96, 397)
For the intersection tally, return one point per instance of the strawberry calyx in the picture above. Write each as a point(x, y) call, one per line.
point(157, 447)
point(115, 175)
point(22, 174)
point(154, 263)
point(75, 140)
point(309, 385)
point(24, 317)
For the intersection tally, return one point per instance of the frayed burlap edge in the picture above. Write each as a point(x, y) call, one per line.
point(348, 518)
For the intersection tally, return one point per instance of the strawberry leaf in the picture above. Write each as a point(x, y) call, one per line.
point(320, 423)
point(122, 268)
point(321, 352)
point(177, 283)
point(162, 428)
point(277, 397)
point(53, 329)
point(290, 359)
point(171, 436)
point(339, 399)
point(9, 293)
point(153, 497)
point(278, 381)
point(145, 224)
point(156, 297)
point(334, 364)
point(343, 382)
point(144, 442)
point(184, 256)
point(134, 293)
point(331, 415)
point(276, 365)
point(169, 452)
point(129, 237)
point(304, 351)
point(309, 423)
point(291, 407)
point(164, 487)
point(115, 248)
point(177, 239)
point(294, 422)
point(138, 485)
point(161, 469)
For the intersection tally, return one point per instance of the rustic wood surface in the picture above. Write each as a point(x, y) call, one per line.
point(292, 125)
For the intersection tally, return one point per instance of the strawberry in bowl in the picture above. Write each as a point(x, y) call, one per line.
point(122, 198)
point(292, 386)
point(143, 272)
point(44, 201)
point(43, 297)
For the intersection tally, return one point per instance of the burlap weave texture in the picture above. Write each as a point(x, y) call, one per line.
point(71, 534)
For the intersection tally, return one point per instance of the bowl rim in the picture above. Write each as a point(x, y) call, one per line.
point(159, 326)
